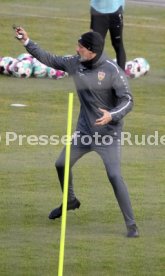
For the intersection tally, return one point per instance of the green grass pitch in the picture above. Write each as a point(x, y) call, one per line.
point(29, 188)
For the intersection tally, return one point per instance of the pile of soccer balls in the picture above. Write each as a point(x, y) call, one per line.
point(25, 66)
point(137, 68)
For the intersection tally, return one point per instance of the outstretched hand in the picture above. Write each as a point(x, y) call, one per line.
point(105, 119)
point(20, 33)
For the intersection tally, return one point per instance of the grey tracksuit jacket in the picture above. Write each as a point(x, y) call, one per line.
point(102, 86)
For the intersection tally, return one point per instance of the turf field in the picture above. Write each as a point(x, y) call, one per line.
point(29, 188)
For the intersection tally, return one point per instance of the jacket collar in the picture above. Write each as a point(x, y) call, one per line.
point(95, 62)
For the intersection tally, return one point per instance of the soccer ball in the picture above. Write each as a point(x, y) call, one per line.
point(39, 69)
point(143, 64)
point(22, 69)
point(25, 56)
point(11, 66)
point(5, 62)
point(132, 69)
point(0, 66)
point(55, 74)
point(137, 68)
point(114, 60)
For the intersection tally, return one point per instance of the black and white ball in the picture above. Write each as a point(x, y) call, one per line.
point(22, 69)
point(39, 69)
point(5, 63)
point(137, 68)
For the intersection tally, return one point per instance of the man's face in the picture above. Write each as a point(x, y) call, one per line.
point(84, 53)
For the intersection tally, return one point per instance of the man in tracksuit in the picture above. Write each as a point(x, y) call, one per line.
point(105, 98)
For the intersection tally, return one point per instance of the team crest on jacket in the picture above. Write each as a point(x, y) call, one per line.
point(101, 76)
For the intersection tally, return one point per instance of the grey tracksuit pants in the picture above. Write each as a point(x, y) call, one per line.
point(110, 155)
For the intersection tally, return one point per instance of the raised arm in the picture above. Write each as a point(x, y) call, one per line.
point(54, 61)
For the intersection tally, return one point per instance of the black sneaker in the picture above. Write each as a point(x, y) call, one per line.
point(132, 231)
point(57, 212)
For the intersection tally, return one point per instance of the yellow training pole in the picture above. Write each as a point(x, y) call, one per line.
point(65, 189)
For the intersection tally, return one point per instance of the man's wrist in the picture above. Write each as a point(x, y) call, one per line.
point(110, 115)
point(26, 42)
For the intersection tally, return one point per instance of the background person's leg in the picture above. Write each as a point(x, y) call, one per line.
point(99, 23)
point(116, 34)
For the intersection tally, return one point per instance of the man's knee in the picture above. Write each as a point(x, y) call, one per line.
point(115, 178)
point(117, 43)
point(59, 164)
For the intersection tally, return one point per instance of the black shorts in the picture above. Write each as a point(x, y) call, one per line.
point(101, 22)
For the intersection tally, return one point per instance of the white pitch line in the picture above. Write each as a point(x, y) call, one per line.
point(80, 20)
point(145, 26)
point(156, 3)
point(34, 7)
point(142, 17)
point(44, 16)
